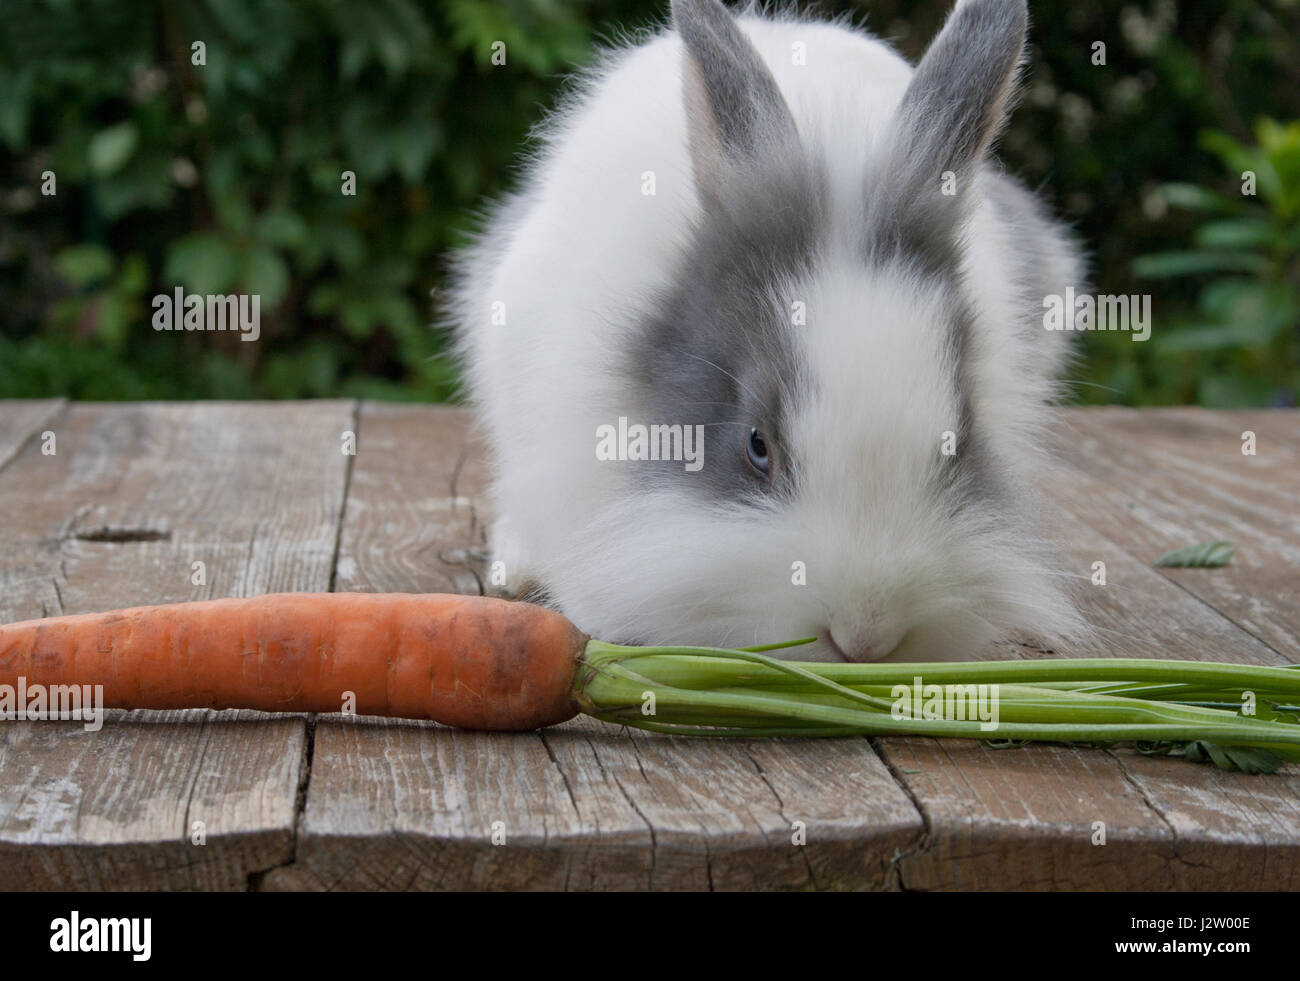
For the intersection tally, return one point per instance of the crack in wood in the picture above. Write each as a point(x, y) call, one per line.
point(119, 536)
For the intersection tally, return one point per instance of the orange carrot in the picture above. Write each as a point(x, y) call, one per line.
point(480, 663)
point(467, 661)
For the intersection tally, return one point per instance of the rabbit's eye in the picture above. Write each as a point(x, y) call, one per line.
point(756, 449)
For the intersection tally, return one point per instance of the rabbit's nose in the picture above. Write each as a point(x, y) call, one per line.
point(849, 648)
point(854, 643)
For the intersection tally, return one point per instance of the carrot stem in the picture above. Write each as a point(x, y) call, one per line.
point(711, 691)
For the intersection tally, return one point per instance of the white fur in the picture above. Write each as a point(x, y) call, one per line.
point(576, 257)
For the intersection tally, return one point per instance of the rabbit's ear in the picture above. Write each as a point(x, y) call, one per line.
point(953, 109)
point(734, 110)
point(959, 97)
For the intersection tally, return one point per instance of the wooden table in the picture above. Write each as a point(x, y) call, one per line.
point(133, 495)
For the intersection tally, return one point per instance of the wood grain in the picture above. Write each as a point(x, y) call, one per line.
point(132, 497)
point(166, 800)
point(265, 497)
point(1025, 819)
point(1138, 612)
point(1231, 831)
point(411, 522)
point(1154, 492)
point(23, 420)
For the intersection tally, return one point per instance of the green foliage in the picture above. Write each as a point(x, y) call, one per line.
point(1205, 555)
point(1246, 251)
point(1245, 759)
point(228, 175)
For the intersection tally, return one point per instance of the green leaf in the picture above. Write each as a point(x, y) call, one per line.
point(1192, 197)
point(117, 313)
point(145, 183)
point(413, 146)
point(16, 106)
point(352, 57)
point(1210, 337)
point(1282, 147)
point(1236, 391)
point(1005, 743)
point(369, 138)
point(1242, 158)
point(1235, 155)
point(1245, 759)
point(134, 276)
point(1235, 233)
point(282, 228)
point(111, 148)
point(265, 274)
point(1206, 555)
point(85, 264)
point(1220, 298)
point(1166, 264)
point(201, 262)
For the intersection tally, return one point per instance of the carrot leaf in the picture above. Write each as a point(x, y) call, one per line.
point(1246, 759)
point(1206, 555)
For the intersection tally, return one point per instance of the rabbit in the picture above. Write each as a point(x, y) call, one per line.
point(778, 235)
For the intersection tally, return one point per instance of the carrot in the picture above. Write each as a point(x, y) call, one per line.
point(468, 661)
point(481, 663)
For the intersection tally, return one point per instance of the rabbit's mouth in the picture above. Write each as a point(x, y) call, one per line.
point(859, 655)
point(829, 641)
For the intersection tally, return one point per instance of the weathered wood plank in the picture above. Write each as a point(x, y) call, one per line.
point(135, 495)
point(1154, 494)
point(411, 522)
point(1140, 613)
point(583, 806)
point(132, 497)
point(1183, 423)
point(159, 800)
point(1027, 819)
point(1232, 831)
point(21, 420)
point(400, 806)
point(756, 814)
point(1204, 448)
point(588, 806)
point(147, 490)
point(1210, 851)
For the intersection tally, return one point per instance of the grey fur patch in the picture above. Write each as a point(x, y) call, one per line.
point(969, 475)
point(959, 96)
point(953, 109)
point(743, 96)
point(717, 351)
point(734, 110)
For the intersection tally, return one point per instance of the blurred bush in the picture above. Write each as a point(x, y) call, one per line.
point(1247, 254)
point(227, 176)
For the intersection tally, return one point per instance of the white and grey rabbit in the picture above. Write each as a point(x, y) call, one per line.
point(777, 230)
